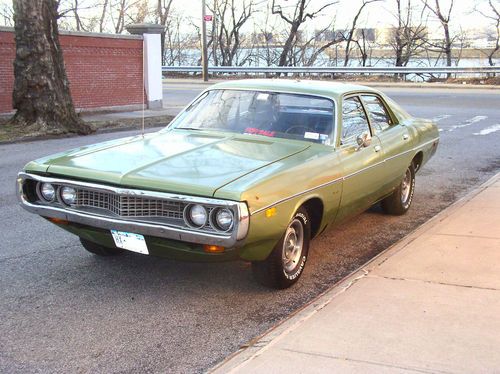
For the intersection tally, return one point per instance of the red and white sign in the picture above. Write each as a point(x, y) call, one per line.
point(208, 18)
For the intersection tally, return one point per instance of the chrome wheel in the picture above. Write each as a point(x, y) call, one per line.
point(292, 246)
point(406, 187)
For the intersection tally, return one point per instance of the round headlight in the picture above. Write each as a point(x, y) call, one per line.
point(224, 219)
point(48, 191)
point(197, 215)
point(68, 195)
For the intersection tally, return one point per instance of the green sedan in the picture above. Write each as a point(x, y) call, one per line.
point(251, 170)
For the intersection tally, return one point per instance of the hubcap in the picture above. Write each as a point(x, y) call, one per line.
point(292, 246)
point(406, 187)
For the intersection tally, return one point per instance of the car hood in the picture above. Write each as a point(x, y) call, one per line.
point(189, 162)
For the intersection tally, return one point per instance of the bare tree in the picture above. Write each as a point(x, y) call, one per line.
point(407, 38)
point(349, 37)
point(41, 88)
point(226, 36)
point(177, 40)
point(295, 19)
point(123, 12)
point(102, 18)
point(494, 16)
point(444, 19)
point(265, 39)
point(6, 14)
point(162, 12)
point(365, 46)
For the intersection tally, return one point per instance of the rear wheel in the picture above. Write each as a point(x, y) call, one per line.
point(400, 200)
point(99, 249)
point(285, 264)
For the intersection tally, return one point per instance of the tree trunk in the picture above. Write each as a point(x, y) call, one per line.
point(41, 88)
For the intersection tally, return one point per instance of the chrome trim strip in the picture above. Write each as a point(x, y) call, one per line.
point(129, 191)
point(232, 239)
point(342, 178)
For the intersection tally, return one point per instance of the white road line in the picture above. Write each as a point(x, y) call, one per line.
point(441, 117)
point(469, 122)
point(489, 130)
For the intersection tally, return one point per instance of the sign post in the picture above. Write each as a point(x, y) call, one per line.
point(204, 55)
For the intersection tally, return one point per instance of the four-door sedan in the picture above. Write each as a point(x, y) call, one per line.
point(251, 169)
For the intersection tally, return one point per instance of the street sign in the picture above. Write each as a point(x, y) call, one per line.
point(208, 18)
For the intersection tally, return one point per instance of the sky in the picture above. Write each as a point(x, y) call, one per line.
point(377, 15)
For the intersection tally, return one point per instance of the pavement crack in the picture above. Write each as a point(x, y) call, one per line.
point(377, 363)
point(467, 236)
point(434, 282)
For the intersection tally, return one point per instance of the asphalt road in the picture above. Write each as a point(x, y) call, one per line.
point(64, 310)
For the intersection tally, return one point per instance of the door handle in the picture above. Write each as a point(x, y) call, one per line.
point(377, 148)
point(405, 137)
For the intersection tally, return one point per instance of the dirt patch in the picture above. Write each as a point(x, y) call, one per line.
point(10, 134)
point(477, 81)
point(492, 167)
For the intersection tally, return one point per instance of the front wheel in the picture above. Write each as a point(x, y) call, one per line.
point(285, 264)
point(400, 200)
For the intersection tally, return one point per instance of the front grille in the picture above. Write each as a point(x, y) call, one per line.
point(129, 206)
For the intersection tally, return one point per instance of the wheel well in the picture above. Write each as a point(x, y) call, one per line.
point(314, 208)
point(417, 161)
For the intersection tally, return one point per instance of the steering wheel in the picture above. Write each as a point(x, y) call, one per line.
point(290, 130)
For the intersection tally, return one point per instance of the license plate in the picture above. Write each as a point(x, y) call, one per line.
point(130, 241)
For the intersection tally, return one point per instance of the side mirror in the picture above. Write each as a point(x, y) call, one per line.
point(363, 140)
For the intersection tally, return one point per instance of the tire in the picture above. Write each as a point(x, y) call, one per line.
point(99, 250)
point(400, 200)
point(284, 266)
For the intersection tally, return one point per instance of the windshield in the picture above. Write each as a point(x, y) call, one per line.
point(270, 114)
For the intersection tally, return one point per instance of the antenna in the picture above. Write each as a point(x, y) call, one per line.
point(143, 85)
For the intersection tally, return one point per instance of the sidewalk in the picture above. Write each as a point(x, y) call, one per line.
point(429, 304)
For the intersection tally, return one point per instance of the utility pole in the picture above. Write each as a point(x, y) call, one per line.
point(204, 55)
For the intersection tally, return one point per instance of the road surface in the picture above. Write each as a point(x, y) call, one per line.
point(64, 310)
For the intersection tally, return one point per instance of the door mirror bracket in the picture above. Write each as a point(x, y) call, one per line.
point(363, 140)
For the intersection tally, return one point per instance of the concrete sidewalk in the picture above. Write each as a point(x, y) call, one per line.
point(429, 304)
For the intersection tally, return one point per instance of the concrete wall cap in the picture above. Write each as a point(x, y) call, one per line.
point(145, 28)
point(83, 33)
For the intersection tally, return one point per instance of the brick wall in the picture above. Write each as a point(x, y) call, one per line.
point(103, 70)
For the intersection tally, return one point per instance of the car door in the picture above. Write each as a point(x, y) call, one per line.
point(394, 139)
point(361, 165)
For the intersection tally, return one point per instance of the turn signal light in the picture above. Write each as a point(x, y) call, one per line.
point(213, 248)
point(58, 221)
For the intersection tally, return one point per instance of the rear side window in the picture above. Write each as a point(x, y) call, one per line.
point(379, 117)
point(354, 121)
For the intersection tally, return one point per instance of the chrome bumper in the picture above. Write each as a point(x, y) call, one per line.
point(228, 240)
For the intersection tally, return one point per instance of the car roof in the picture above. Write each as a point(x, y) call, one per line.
point(308, 87)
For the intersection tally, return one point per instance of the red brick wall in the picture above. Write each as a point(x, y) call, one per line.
point(102, 71)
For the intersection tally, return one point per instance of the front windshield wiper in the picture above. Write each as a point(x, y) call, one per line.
point(189, 128)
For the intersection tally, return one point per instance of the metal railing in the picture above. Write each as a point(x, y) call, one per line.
point(479, 70)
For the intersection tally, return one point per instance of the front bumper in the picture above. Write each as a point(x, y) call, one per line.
point(228, 240)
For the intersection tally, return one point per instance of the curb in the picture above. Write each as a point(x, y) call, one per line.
point(452, 86)
point(263, 342)
point(65, 136)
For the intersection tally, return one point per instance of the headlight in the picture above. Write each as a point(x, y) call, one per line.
point(196, 215)
point(68, 195)
point(223, 219)
point(48, 191)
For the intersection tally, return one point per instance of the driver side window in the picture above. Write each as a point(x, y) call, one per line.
point(354, 121)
